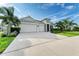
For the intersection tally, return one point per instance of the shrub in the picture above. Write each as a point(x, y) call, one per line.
point(76, 29)
point(17, 29)
point(55, 30)
point(12, 35)
point(2, 34)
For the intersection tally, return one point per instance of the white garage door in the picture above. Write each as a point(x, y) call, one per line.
point(28, 28)
point(32, 28)
point(40, 28)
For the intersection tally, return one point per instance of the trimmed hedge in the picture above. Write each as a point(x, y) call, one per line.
point(4, 35)
point(55, 30)
point(12, 35)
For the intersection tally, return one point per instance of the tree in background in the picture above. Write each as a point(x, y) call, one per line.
point(65, 24)
point(60, 25)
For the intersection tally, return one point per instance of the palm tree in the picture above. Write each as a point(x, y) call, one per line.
point(72, 24)
point(65, 24)
point(10, 19)
point(16, 21)
point(60, 25)
point(68, 24)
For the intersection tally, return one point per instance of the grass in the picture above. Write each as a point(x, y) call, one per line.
point(4, 42)
point(69, 33)
point(66, 33)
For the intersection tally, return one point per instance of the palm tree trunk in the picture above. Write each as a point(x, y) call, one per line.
point(9, 29)
point(2, 27)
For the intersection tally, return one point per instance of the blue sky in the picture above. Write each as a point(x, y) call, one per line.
point(55, 11)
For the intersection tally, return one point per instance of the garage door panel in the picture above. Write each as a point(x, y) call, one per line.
point(40, 28)
point(28, 28)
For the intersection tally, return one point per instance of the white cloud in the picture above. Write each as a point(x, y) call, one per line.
point(54, 19)
point(77, 15)
point(67, 7)
point(61, 4)
point(52, 4)
point(46, 5)
point(70, 7)
point(68, 16)
point(63, 13)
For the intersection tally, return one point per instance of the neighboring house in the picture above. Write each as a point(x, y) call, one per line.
point(28, 24)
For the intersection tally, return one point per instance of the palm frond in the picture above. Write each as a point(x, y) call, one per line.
point(3, 11)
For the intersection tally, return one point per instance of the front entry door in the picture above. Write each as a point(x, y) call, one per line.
point(47, 27)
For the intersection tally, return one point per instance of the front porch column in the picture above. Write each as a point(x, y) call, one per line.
point(46, 28)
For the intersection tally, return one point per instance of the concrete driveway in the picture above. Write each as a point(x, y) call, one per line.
point(27, 40)
point(43, 44)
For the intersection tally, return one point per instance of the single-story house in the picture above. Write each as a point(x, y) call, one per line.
point(29, 24)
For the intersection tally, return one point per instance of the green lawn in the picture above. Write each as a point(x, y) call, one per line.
point(4, 42)
point(69, 33)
